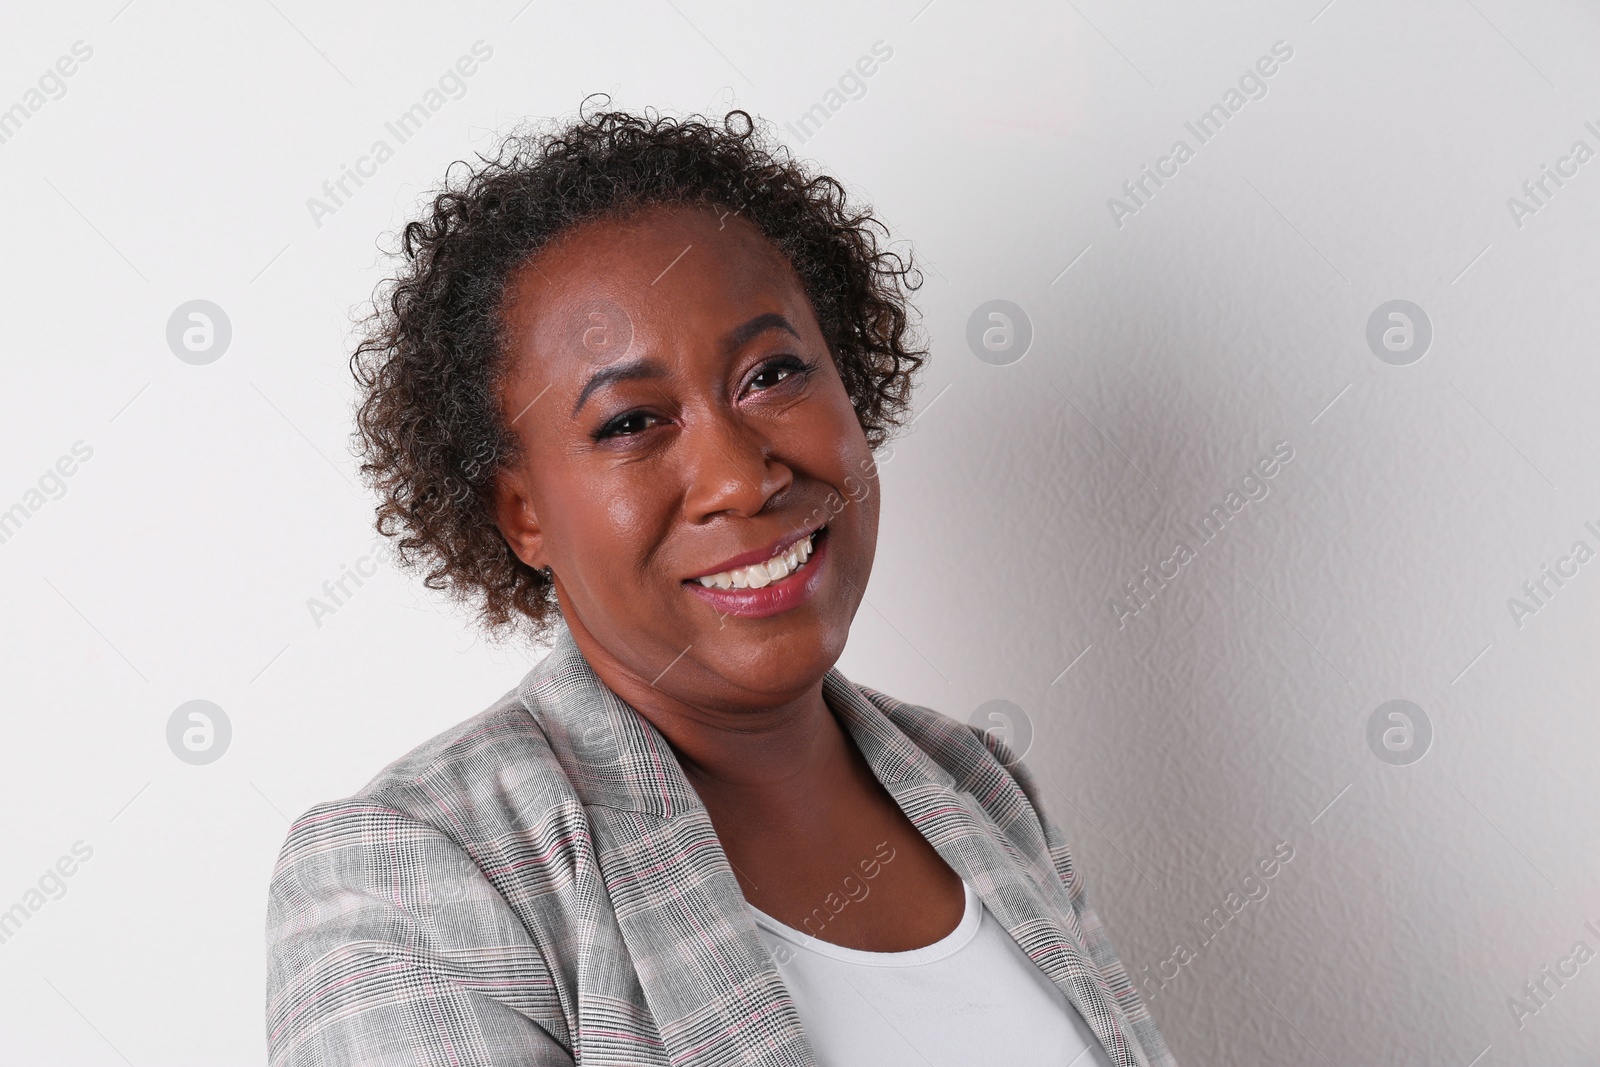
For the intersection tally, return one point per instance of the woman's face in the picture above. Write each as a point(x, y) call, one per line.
point(681, 419)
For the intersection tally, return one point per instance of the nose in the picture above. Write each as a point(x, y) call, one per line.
point(731, 469)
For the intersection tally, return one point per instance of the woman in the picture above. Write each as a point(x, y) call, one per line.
point(625, 391)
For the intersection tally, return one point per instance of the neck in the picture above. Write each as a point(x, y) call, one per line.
point(772, 756)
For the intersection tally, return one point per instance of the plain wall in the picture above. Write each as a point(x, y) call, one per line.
point(1174, 346)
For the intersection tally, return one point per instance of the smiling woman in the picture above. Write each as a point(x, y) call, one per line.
point(622, 394)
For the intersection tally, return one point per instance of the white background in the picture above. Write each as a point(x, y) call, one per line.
point(1227, 315)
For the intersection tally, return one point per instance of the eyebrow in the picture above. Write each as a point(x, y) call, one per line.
point(637, 369)
point(743, 335)
point(632, 370)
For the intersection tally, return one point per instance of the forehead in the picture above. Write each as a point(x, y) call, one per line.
point(653, 273)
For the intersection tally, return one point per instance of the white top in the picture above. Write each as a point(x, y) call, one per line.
point(970, 998)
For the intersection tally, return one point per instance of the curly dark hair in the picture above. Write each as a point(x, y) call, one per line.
point(432, 355)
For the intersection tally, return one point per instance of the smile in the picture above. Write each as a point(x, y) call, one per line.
point(781, 583)
point(761, 575)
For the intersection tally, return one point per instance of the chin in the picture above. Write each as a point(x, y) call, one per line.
point(778, 640)
point(776, 658)
point(776, 664)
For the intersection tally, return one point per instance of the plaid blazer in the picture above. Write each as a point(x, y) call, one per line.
point(542, 885)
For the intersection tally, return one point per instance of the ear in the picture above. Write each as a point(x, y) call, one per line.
point(514, 514)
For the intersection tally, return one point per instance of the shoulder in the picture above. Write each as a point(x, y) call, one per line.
point(494, 767)
point(474, 770)
point(397, 904)
point(472, 803)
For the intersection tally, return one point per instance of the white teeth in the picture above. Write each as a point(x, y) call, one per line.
point(759, 575)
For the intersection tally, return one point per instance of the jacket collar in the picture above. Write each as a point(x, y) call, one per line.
point(614, 758)
point(611, 754)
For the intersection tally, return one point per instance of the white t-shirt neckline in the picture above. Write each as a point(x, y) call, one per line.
point(948, 945)
point(973, 996)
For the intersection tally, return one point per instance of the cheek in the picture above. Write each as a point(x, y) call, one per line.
point(833, 419)
point(867, 510)
point(857, 474)
point(853, 477)
point(602, 519)
point(624, 516)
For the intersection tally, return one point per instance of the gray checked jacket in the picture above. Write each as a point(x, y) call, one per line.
point(540, 884)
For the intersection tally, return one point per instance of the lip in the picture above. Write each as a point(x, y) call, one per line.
point(756, 555)
point(783, 595)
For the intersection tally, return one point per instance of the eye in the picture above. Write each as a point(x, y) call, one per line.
point(778, 371)
point(628, 424)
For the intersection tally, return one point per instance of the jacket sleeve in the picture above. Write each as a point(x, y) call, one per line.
point(1095, 937)
point(387, 947)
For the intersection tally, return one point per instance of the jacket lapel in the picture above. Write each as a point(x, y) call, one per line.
point(953, 822)
point(1027, 900)
point(710, 984)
